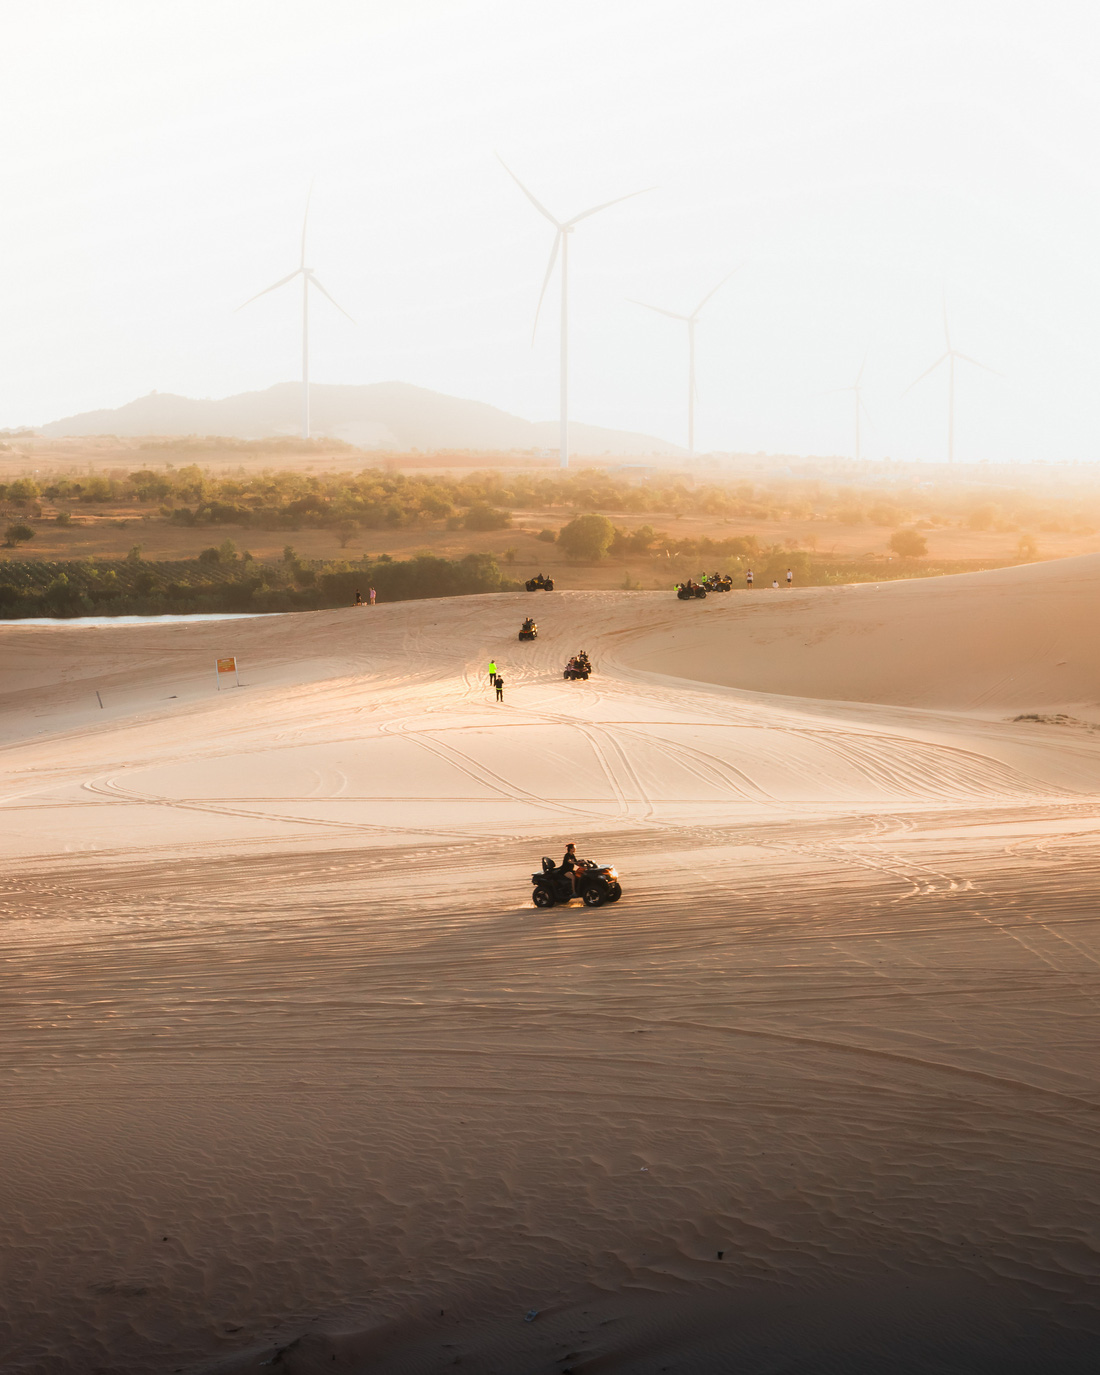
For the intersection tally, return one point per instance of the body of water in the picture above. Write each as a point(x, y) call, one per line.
point(95, 621)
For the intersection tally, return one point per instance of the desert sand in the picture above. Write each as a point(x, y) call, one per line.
point(295, 1075)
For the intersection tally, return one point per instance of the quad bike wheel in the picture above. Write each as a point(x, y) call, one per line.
point(700, 592)
point(592, 897)
point(543, 897)
point(616, 893)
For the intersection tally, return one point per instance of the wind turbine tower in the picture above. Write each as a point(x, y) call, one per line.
point(857, 390)
point(309, 279)
point(690, 321)
point(949, 357)
point(561, 240)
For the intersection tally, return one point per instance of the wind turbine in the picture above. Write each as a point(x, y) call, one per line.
point(949, 357)
point(857, 389)
point(561, 240)
point(308, 278)
point(690, 321)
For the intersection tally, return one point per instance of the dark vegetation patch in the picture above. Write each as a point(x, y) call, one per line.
point(128, 587)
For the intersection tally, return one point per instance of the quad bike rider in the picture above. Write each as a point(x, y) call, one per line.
point(689, 589)
point(578, 667)
point(541, 581)
point(717, 582)
point(529, 630)
point(575, 878)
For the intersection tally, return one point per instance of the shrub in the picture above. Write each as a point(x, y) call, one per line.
point(908, 544)
point(18, 534)
point(487, 518)
point(547, 536)
point(63, 518)
point(134, 556)
point(587, 537)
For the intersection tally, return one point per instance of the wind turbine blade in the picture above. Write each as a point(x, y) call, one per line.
point(670, 313)
point(546, 281)
point(714, 290)
point(942, 359)
point(597, 208)
point(281, 282)
point(305, 221)
point(967, 359)
point(323, 292)
point(537, 204)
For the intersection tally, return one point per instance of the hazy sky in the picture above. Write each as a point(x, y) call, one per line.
point(856, 158)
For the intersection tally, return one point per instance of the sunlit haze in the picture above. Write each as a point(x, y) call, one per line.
point(857, 161)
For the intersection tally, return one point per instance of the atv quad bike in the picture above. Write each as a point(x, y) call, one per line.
point(596, 884)
point(577, 668)
point(529, 630)
point(533, 584)
point(717, 582)
point(691, 590)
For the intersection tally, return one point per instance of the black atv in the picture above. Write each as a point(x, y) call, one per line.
point(595, 884)
point(689, 590)
point(530, 630)
point(578, 667)
point(718, 582)
point(534, 584)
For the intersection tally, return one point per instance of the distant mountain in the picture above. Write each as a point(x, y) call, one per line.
point(382, 415)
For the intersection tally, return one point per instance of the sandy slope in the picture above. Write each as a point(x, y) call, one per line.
point(291, 1062)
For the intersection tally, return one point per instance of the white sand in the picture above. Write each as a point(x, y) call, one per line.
point(287, 1053)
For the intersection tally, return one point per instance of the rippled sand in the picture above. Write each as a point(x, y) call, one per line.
point(293, 1070)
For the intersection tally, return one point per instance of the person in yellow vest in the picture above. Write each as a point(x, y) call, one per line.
point(492, 672)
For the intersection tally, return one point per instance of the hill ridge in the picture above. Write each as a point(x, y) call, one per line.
point(374, 415)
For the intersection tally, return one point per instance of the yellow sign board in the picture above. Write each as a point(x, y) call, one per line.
point(227, 665)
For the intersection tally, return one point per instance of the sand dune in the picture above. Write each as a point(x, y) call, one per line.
point(294, 1071)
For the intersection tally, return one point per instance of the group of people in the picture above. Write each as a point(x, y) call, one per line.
point(371, 593)
point(496, 679)
point(775, 581)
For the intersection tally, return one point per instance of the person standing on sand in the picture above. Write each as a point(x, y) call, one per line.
point(790, 577)
point(748, 579)
point(372, 594)
point(500, 688)
point(492, 672)
point(358, 597)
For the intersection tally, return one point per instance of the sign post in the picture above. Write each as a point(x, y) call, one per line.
point(226, 666)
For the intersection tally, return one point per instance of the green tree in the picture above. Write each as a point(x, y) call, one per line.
point(908, 544)
point(1026, 548)
point(23, 489)
point(587, 537)
point(17, 534)
point(346, 530)
point(134, 556)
